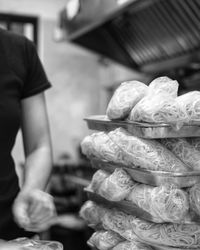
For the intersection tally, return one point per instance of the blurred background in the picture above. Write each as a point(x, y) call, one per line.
point(88, 47)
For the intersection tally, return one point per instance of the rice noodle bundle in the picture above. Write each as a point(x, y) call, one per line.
point(91, 213)
point(160, 108)
point(117, 186)
point(165, 203)
point(194, 198)
point(169, 234)
point(99, 145)
point(97, 179)
point(166, 234)
point(169, 203)
point(118, 222)
point(104, 240)
point(165, 85)
point(125, 98)
point(190, 102)
point(184, 151)
point(147, 154)
point(133, 245)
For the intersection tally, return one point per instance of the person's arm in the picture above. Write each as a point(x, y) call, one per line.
point(37, 145)
point(33, 208)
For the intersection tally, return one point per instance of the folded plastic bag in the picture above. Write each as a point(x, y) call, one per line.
point(163, 85)
point(160, 108)
point(133, 245)
point(97, 180)
point(146, 154)
point(91, 213)
point(27, 243)
point(125, 98)
point(104, 240)
point(190, 103)
point(165, 203)
point(194, 198)
point(117, 186)
point(99, 145)
point(184, 151)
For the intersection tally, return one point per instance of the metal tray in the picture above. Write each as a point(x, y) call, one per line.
point(150, 177)
point(144, 130)
point(132, 209)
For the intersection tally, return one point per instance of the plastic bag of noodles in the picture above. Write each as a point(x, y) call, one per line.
point(125, 98)
point(133, 245)
point(29, 244)
point(194, 198)
point(91, 213)
point(104, 240)
point(117, 186)
point(164, 85)
point(167, 234)
point(184, 151)
point(160, 108)
point(146, 154)
point(165, 203)
point(190, 103)
point(118, 222)
point(97, 179)
point(99, 145)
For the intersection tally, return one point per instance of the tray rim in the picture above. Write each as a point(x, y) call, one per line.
point(104, 118)
point(137, 169)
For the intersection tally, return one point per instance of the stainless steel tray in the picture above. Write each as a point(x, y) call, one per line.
point(153, 178)
point(144, 130)
point(130, 208)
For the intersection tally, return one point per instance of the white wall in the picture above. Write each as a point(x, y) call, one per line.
point(47, 9)
point(77, 77)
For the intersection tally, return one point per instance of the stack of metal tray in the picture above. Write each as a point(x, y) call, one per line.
point(132, 209)
point(150, 177)
point(143, 130)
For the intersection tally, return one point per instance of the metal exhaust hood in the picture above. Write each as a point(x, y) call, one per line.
point(146, 35)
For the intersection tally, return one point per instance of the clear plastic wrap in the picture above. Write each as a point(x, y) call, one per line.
point(118, 222)
point(133, 245)
point(167, 234)
point(194, 198)
point(146, 154)
point(104, 240)
point(160, 108)
point(26, 244)
point(165, 85)
point(117, 186)
point(101, 146)
point(97, 179)
point(167, 203)
point(190, 102)
point(125, 98)
point(184, 151)
point(91, 213)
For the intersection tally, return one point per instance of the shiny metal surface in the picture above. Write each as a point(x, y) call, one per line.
point(143, 130)
point(149, 177)
point(132, 209)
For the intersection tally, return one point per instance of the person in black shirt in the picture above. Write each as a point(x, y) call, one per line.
point(22, 105)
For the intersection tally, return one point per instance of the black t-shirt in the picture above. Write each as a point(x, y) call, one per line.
point(21, 76)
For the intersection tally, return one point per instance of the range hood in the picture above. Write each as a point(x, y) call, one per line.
point(151, 36)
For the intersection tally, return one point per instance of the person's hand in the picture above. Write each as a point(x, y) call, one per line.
point(34, 210)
